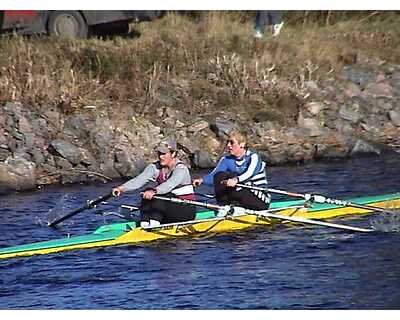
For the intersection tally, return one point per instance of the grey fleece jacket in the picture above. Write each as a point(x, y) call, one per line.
point(179, 176)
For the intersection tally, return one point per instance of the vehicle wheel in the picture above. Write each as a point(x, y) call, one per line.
point(67, 24)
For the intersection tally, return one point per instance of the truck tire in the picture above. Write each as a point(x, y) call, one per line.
point(67, 24)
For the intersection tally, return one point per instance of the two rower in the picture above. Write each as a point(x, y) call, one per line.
point(173, 180)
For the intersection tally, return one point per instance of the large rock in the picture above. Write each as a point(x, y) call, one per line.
point(107, 168)
point(4, 153)
point(17, 173)
point(380, 90)
point(202, 160)
point(362, 147)
point(309, 123)
point(222, 127)
point(123, 163)
point(360, 77)
point(352, 90)
point(65, 150)
point(198, 126)
point(126, 164)
point(47, 174)
point(314, 108)
point(352, 111)
point(81, 125)
point(394, 116)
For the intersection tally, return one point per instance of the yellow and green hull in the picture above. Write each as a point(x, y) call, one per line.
point(206, 222)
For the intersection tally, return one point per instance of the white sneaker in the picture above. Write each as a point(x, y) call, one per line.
point(144, 224)
point(151, 224)
point(154, 223)
point(258, 34)
point(277, 29)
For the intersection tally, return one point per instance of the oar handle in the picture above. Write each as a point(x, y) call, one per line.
point(93, 203)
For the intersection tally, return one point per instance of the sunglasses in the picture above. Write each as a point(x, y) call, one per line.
point(230, 141)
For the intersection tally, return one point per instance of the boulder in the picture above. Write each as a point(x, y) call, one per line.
point(198, 126)
point(351, 111)
point(352, 90)
point(222, 127)
point(65, 150)
point(360, 77)
point(47, 174)
point(62, 163)
point(77, 174)
point(314, 108)
point(107, 168)
point(81, 125)
point(380, 90)
point(17, 173)
point(123, 163)
point(202, 160)
point(361, 147)
point(394, 116)
point(24, 125)
point(309, 123)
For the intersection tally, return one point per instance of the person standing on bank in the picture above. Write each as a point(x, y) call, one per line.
point(267, 18)
point(241, 166)
point(173, 180)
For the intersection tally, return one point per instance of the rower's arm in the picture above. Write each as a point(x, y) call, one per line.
point(221, 166)
point(148, 174)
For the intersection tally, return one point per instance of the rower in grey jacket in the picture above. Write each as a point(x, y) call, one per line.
point(173, 179)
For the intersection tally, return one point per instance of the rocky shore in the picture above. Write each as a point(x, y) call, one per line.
point(355, 112)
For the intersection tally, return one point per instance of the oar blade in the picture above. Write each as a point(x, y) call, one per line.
point(89, 204)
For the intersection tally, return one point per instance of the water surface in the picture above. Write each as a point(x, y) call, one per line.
point(296, 268)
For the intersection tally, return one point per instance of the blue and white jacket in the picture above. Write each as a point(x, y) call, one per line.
point(249, 169)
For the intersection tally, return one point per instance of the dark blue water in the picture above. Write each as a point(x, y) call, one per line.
point(297, 268)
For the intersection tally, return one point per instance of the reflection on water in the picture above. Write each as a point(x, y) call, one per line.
point(283, 268)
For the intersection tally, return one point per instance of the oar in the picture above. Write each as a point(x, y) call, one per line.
point(90, 204)
point(238, 211)
point(318, 198)
point(204, 195)
point(124, 206)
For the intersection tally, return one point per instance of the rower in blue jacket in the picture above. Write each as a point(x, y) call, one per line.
point(240, 166)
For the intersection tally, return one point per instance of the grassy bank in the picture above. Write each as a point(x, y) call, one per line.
point(197, 62)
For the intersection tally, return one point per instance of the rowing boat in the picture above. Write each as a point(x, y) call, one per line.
point(206, 222)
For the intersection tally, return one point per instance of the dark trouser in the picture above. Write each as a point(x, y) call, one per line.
point(227, 195)
point(266, 18)
point(166, 211)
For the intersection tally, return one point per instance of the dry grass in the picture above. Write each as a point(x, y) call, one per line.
point(206, 62)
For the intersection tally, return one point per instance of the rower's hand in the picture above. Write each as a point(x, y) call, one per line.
point(232, 182)
point(197, 182)
point(149, 194)
point(116, 192)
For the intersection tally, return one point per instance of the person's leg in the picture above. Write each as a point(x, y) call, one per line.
point(163, 211)
point(277, 22)
point(275, 17)
point(261, 21)
point(177, 212)
point(221, 190)
point(152, 211)
point(247, 199)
